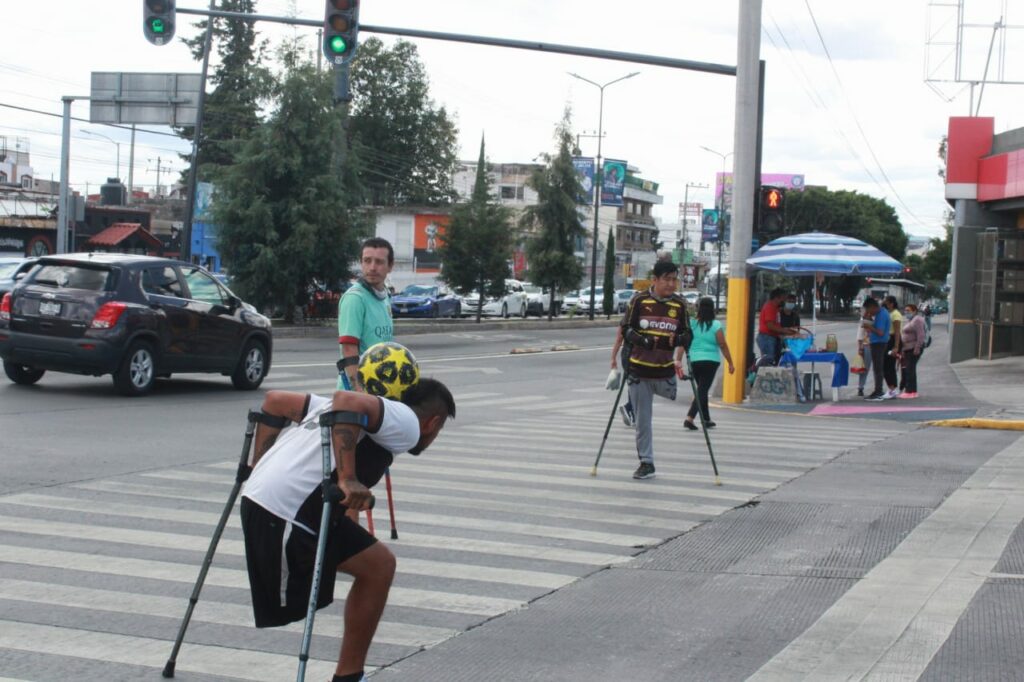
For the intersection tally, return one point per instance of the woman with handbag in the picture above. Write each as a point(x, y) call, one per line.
point(914, 335)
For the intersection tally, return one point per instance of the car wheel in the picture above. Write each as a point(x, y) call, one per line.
point(504, 310)
point(23, 375)
point(137, 372)
point(252, 367)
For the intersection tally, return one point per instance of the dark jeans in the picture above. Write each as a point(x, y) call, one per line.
point(878, 365)
point(704, 374)
point(910, 371)
point(891, 379)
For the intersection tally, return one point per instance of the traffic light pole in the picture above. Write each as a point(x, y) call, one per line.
point(744, 182)
point(197, 133)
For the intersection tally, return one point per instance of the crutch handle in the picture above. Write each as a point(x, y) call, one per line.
point(334, 495)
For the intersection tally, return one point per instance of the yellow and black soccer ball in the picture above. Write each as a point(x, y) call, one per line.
point(387, 370)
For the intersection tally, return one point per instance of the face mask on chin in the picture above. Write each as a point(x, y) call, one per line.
point(790, 306)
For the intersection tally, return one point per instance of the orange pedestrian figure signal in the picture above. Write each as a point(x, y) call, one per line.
point(773, 199)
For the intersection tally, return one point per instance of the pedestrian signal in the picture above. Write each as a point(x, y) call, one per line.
point(772, 214)
point(158, 20)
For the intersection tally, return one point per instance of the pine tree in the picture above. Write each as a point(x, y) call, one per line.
point(408, 143)
point(554, 222)
point(287, 214)
point(241, 83)
point(477, 244)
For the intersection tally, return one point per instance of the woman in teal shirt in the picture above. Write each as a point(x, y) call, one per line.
point(706, 353)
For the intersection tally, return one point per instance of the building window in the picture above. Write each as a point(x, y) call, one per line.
point(26, 182)
point(3, 178)
point(512, 192)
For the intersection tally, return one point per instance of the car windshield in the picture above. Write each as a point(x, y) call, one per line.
point(71, 277)
point(419, 290)
point(7, 270)
point(530, 289)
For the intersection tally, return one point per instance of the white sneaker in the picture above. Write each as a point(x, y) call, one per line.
point(891, 394)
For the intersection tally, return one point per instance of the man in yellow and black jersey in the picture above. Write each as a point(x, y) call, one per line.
point(656, 329)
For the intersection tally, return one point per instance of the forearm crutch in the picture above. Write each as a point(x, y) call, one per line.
point(611, 418)
point(703, 424)
point(241, 475)
point(391, 503)
point(332, 496)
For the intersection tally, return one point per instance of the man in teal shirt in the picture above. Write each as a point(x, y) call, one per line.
point(364, 311)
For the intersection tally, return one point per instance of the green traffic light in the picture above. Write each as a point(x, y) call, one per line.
point(157, 25)
point(338, 45)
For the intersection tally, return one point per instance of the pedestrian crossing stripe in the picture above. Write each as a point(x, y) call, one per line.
point(417, 539)
point(196, 543)
point(203, 659)
point(432, 600)
point(207, 611)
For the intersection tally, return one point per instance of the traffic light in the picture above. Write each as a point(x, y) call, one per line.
point(158, 20)
point(772, 218)
point(341, 29)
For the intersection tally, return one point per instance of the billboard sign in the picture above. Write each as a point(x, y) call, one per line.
point(427, 231)
point(709, 225)
point(584, 166)
point(613, 179)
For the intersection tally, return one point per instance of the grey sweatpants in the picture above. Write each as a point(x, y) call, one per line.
point(641, 394)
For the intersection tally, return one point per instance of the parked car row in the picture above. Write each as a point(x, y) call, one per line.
point(133, 317)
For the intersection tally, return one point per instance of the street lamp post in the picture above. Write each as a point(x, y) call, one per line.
point(598, 183)
point(721, 227)
point(113, 142)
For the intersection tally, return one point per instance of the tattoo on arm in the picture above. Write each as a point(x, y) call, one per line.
point(347, 439)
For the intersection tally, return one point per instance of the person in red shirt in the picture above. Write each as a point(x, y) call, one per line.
point(770, 331)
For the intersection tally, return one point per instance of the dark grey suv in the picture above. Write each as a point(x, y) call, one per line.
point(133, 317)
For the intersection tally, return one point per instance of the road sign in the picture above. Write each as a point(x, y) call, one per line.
point(144, 98)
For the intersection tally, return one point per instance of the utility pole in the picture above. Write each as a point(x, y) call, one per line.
point(686, 212)
point(65, 171)
point(744, 186)
point(131, 168)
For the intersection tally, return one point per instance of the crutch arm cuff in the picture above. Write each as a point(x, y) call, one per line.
point(274, 421)
point(346, 362)
point(343, 417)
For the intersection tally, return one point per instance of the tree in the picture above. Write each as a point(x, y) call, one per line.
point(286, 212)
point(609, 274)
point(409, 145)
point(938, 262)
point(241, 83)
point(553, 222)
point(847, 213)
point(477, 244)
point(850, 214)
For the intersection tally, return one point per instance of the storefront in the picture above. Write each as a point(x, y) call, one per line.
point(985, 186)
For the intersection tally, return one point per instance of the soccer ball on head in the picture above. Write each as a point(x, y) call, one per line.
point(387, 370)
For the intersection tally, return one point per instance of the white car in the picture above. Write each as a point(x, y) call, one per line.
point(570, 301)
point(514, 302)
point(538, 300)
point(584, 304)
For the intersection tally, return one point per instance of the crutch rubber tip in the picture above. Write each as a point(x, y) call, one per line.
point(169, 669)
point(718, 481)
point(394, 534)
point(593, 472)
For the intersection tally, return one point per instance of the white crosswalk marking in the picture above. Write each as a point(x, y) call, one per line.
point(496, 514)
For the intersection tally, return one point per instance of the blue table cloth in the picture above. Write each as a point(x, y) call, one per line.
point(840, 366)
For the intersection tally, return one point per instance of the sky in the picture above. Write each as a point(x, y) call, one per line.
point(846, 101)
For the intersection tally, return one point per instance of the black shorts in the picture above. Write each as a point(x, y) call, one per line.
point(281, 569)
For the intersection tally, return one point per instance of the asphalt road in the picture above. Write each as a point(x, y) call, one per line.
point(108, 504)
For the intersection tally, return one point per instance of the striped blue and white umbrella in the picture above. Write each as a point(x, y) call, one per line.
point(820, 253)
point(815, 253)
